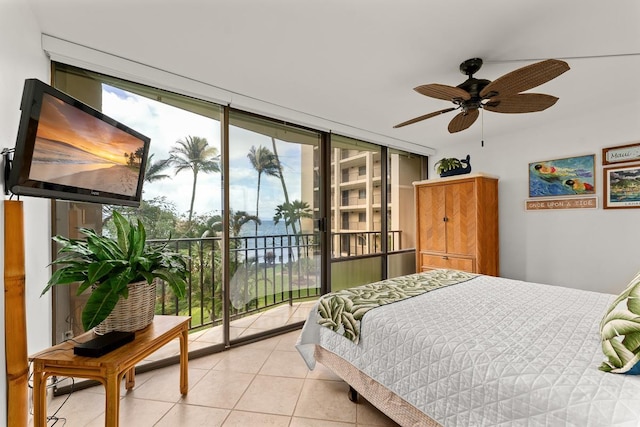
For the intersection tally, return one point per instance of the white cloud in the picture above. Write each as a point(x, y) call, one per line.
point(165, 125)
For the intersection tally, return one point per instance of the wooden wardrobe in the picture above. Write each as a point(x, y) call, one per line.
point(457, 224)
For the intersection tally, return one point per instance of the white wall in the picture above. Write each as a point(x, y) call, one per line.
point(587, 249)
point(21, 57)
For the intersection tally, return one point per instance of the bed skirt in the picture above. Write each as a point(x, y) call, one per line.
point(378, 395)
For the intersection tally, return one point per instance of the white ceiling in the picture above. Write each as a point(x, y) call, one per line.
point(354, 62)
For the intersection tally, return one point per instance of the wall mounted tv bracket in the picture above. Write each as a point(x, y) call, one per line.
point(7, 158)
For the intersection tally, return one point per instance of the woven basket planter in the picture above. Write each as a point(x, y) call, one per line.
point(133, 313)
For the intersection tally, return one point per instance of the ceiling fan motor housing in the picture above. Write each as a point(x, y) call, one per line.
point(473, 86)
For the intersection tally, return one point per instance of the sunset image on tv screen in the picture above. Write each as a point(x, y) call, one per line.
point(74, 148)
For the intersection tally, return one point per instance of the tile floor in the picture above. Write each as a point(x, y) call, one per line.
point(260, 384)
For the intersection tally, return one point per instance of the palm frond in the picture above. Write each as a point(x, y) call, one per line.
point(620, 331)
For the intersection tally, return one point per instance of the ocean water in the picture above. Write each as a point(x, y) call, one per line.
point(266, 228)
point(271, 237)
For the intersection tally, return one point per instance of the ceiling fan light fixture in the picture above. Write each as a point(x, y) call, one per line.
point(502, 95)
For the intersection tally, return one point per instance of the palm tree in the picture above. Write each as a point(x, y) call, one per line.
point(154, 170)
point(292, 212)
point(139, 153)
point(196, 154)
point(263, 161)
point(236, 220)
point(213, 226)
point(284, 185)
point(239, 218)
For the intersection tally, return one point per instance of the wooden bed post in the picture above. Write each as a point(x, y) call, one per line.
point(15, 324)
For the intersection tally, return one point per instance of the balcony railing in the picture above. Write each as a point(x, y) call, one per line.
point(265, 271)
point(348, 244)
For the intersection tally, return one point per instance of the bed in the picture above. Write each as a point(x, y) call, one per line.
point(484, 351)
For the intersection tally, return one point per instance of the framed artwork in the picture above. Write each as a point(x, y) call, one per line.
point(562, 177)
point(621, 187)
point(621, 154)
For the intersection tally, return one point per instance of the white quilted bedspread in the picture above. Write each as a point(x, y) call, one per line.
point(491, 352)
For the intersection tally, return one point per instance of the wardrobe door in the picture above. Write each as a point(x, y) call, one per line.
point(431, 219)
point(461, 213)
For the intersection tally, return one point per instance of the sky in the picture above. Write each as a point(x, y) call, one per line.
point(166, 124)
point(61, 122)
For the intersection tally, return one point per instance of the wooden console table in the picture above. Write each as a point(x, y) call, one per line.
point(110, 368)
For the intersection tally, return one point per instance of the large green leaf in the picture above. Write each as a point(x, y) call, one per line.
point(63, 277)
point(144, 262)
point(122, 232)
point(632, 342)
point(633, 285)
point(614, 359)
point(83, 287)
point(623, 353)
point(140, 237)
point(620, 330)
point(101, 302)
point(350, 325)
point(620, 322)
point(98, 270)
point(176, 282)
point(633, 300)
point(75, 247)
point(103, 249)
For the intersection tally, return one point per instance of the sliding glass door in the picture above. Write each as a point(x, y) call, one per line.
point(274, 252)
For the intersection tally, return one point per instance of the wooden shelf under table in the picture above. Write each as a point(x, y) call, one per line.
point(110, 368)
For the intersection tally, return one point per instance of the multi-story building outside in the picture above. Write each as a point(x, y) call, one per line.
point(356, 202)
point(356, 197)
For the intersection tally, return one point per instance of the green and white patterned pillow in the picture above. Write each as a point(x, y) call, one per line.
point(620, 332)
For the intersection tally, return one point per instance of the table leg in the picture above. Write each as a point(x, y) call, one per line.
point(130, 378)
point(184, 361)
point(112, 400)
point(39, 399)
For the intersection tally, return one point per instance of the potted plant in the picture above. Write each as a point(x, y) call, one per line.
point(111, 267)
point(449, 166)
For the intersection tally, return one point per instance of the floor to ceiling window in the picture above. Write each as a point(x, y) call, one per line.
point(371, 198)
point(274, 251)
point(403, 169)
point(181, 193)
point(271, 214)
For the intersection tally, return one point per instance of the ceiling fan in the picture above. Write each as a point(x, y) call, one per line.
point(500, 96)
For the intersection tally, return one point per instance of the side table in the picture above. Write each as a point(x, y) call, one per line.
point(110, 368)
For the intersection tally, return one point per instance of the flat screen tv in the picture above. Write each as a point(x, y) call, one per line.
point(67, 150)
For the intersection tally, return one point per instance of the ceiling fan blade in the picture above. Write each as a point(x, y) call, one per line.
point(463, 120)
point(425, 117)
point(448, 93)
point(520, 103)
point(525, 78)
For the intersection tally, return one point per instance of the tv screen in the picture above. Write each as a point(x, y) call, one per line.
point(67, 150)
